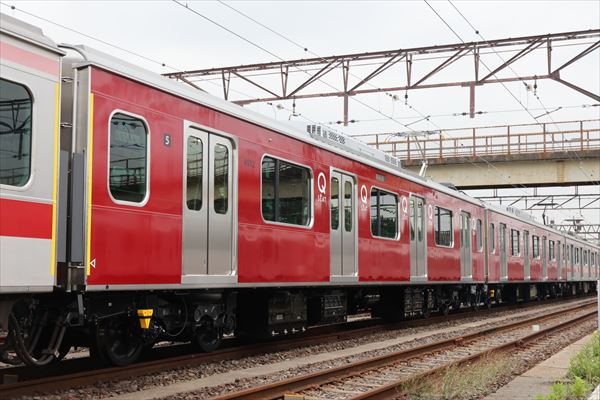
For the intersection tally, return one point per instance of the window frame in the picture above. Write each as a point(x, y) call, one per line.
point(148, 159)
point(452, 242)
point(479, 234)
point(512, 253)
point(32, 160)
point(492, 235)
point(311, 195)
point(535, 250)
point(398, 218)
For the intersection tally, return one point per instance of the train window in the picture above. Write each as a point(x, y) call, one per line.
point(128, 158)
point(285, 192)
point(442, 226)
point(551, 256)
point(335, 203)
point(576, 255)
point(193, 196)
point(479, 235)
point(515, 241)
point(585, 257)
point(535, 246)
point(15, 134)
point(384, 214)
point(492, 238)
point(348, 206)
point(221, 179)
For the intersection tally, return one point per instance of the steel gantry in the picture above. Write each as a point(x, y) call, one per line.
point(312, 70)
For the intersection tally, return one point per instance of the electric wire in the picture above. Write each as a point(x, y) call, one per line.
point(306, 49)
point(185, 6)
point(483, 63)
point(547, 113)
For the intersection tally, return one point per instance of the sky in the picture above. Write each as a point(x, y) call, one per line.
point(166, 32)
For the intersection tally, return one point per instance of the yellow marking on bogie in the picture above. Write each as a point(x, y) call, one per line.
point(145, 315)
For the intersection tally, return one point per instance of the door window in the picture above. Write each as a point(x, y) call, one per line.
point(16, 107)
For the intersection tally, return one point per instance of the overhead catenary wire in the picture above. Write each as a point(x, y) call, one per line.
point(306, 49)
point(497, 171)
point(510, 92)
point(547, 113)
point(185, 6)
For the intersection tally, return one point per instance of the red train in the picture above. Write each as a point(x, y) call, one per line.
point(135, 209)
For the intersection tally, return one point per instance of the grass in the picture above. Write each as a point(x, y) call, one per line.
point(583, 374)
point(460, 382)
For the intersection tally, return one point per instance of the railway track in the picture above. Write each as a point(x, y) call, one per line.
point(80, 372)
point(382, 377)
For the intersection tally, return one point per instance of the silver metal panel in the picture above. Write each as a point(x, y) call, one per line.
point(25, 262)
point(220, 224)
point(30, 33)
point(559, 260)
point(335, 235)
point(526, 257)
point(195, 222)
point(418, 239)
point(77, 235)
point(503, 260)
point(466, 238)
point(63, 201)
point(544, 258)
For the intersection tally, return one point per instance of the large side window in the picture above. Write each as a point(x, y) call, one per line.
point(15, 133)
point(443, 227)
point(515, 237)
point(128, 158)
point(384, 214)
point(535, 246)
point(285, 192)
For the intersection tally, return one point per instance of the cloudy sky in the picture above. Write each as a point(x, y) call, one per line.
point(152, 33)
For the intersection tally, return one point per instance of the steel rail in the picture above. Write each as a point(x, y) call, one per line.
point(279, 389)
point(390, 391)
point(321, 335)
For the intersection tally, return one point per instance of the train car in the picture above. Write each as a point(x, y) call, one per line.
point(170, 214)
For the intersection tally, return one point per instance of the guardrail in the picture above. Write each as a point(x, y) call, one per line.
point(508, 140)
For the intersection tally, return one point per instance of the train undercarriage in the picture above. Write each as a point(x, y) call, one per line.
point(118, 327)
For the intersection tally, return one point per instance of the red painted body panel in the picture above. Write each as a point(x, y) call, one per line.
point(25, 219)
point(143, 245)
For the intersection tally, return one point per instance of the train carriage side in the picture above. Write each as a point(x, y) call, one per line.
point(30, 86)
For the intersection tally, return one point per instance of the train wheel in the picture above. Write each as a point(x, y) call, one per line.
point(208, 336)
point(445, 309)
point(118, 340)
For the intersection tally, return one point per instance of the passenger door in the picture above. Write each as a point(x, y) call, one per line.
point(418, 239)
point(527, 261)
point(503, 260)
point(343, 225)
point(466, 267)
point(207, 204)
point(544, 258)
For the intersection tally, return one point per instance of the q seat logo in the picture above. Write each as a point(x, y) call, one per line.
point(322, 187)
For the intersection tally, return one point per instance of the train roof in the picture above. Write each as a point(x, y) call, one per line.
point(313, 134)
point(30, 33)
point(354, 149)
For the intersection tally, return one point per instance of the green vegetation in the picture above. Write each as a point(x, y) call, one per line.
point(463, 382)
point(583, 375)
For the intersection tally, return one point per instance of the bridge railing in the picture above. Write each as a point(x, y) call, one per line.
point(507, 140)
